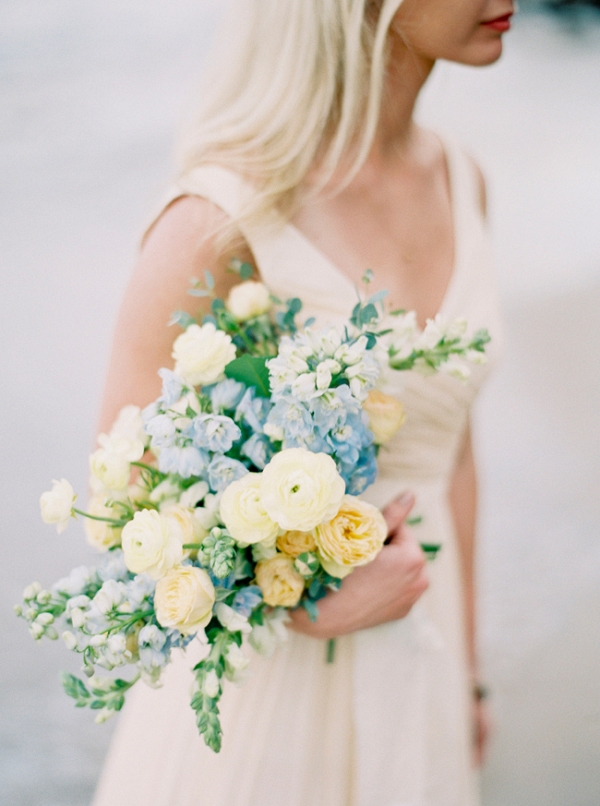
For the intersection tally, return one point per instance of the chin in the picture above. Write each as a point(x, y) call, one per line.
point(482, 55)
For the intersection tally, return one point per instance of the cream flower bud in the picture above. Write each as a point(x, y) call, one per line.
point(300, 489)
point(184, 599)
point(211, 685)
point(111, 469)
point(202, 353)
point(386, 415)
point(152, 543)
point(248, 300)
point(56, 504)
point(243, 512)
point(235, 663)
point(100, 534)
point(230, 619)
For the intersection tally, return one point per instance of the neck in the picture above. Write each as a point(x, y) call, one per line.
point(406, 75)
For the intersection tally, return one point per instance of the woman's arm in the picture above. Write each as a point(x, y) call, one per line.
point(180, 245)
point(463, 504)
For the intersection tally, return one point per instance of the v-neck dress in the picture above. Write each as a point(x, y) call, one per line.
point(388, 722)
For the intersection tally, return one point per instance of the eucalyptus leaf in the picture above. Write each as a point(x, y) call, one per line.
point(181, 318)
point(209, 280)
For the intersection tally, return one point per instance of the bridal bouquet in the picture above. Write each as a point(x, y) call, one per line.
point(234, 497)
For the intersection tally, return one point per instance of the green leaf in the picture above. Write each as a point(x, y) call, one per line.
point(74, 687)
point(311, 608)
point(182, 319)
point(209, 280)
point(379, 296)
point(414, 521)
point(294, 305)
point(251, 371)
point(367, 276)
point(246, 271)
point(199, 292)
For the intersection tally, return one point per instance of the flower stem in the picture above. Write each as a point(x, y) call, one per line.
point(331, 650)
point(114, 521)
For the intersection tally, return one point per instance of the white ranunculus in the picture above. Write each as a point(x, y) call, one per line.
point(113, 470)
point(300, 489)
point(100, 534)
point(152, 543)
point(202, 353)
point(129, 424)
point(244, 514)
point(56, 504)
point(248, 300)
point(184, 599)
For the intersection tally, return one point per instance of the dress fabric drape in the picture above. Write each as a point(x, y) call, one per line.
point(388, 723)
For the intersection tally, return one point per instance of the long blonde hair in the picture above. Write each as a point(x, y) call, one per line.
point(291, 84)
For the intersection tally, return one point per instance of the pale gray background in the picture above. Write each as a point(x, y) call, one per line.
point(90, 94)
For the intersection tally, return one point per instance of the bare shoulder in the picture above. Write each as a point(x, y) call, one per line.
point(481, 186)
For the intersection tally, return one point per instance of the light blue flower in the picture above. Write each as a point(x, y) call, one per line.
point(253, 410)
point(258, 449)
point(364, 473)
point(216, 432)
point(246, 600)
point(333, 408)
point(139, 589)
point(293, 416)
point(152, 636)
point(185, 462)
point(223, 470)
point(162, 430)
point(172, 387)
point(113, 566)
point(225, 395)
point(151, 410)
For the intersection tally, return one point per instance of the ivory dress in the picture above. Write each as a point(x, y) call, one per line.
point(388, 723)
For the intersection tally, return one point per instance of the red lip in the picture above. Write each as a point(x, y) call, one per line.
point(501, 24)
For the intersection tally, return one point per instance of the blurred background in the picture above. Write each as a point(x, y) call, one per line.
point(90, 96)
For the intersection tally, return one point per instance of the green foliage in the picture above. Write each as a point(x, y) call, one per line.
point(181, 318)
point(307, 564)
point(251, 371)
point(100, 694)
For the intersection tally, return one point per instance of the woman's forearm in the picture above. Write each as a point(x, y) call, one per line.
point(463, 504)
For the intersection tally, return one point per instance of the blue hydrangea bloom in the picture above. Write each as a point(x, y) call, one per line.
point(293, 416)
point(246, 599)
point(172, 387)
point(258, 449)
point(253, 410)
point(162, 430)
point(226, 395)
point(185, 462)
point(223, 470)
point(216, 432)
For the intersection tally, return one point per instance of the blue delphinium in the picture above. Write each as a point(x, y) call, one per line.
point(172, 387)
point(259, 450)
point(162, 430)
point(225, 395)
point(364, 472)
point(216, 432)
point(247, 599)
point(185, 461)
point(291, 415)
point(252, 410)
point(223, 470)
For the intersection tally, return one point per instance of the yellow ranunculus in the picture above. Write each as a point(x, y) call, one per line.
point(386, 415)
point(296, 543)
point(280, 583)
point(184, 599)
point(354, 537)
point(300, 489)
point(244, 514)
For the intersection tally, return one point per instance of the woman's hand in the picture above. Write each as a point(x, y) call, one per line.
point(385, 590)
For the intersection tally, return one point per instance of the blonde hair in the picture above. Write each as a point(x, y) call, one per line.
point(291, 85)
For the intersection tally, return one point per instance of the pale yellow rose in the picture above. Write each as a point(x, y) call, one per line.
point(152, 543)
point(202, 353)
point(56, 505)
point(184, 599)
point(243, 513)
point(100, 534)
point(248, 300)
point(280, 583)
point(354, 537)
point(296, 543)
point(300, 489)
point(386, 415)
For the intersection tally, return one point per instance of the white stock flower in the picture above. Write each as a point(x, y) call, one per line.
point(457, 368)
point(231, 619)
point(56, 504)
point(434, 332)
point(202, 353)
point(248, 300)
point(194, 494)
point(244, 514)
point(152, 543)
point(300, 489)
point(325, 370)
point(235, 663)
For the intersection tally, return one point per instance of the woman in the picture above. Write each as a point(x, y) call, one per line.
point(306, 162)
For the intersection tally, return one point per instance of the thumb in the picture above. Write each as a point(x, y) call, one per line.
point(398, 510)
